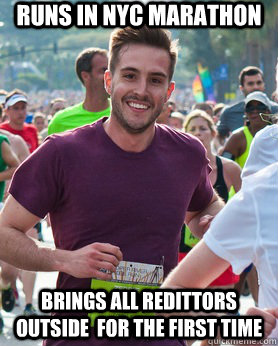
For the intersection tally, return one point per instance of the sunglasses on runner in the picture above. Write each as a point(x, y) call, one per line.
point(260, 108)
point(269, 118)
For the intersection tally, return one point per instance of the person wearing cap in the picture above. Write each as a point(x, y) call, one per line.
point(232, 117)
point(16, 110)
point(244, 231)
point(237, 147)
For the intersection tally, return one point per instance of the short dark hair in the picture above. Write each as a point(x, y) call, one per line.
point(84, 59)
point(159, 38)
point(14, 92)
point(204, 106)
point(249, 71)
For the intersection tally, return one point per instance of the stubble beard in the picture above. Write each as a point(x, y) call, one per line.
point(128, 126)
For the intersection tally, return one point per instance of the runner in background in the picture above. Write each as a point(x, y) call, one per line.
point(244, 231)
point(225, 174)
point(90, 66)
point(8, 164)
point(16, 110)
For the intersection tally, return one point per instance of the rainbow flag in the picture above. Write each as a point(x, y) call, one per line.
point(206, 81)
point(197, 89)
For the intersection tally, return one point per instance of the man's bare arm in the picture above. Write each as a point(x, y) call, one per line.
point(201, 261)
point(18, 249)
point(199, 221)
point(10, 159)
point(235, 145)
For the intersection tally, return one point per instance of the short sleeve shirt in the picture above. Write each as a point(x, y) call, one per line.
point(245, 232)
point(97, 192)
point(73, 117)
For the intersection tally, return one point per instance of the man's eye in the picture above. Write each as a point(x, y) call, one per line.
point(156, 81)
point(129, 76)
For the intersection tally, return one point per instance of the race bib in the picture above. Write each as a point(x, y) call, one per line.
point(129, 275)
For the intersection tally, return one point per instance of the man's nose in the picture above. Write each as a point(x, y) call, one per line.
point(141, 87)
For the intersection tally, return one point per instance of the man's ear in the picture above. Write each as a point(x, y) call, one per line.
point(84, 76)
point(171, 88)
point(108, 81)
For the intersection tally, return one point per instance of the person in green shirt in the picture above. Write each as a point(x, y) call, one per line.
point(8, 164)
point(238, 144)
point(90, 66)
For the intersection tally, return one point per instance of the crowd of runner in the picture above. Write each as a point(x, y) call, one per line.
point(225, 131)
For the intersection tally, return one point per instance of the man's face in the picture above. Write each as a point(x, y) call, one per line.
point(252, 83)
point(253, 110)
point(39, 123)
point(57, 106)
point(175, 123)
point(99, 65)
point(17, 113)
point(139, 86)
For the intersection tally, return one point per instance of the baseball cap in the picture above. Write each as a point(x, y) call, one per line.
point(14, 99)
point(263, 150)
point(258, 96)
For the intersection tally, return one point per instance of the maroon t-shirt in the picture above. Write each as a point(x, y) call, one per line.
point(96, 192)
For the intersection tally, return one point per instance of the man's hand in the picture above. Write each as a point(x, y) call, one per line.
point(205, 222)
point(199, 221)
point(269, 316)
point(98, 260)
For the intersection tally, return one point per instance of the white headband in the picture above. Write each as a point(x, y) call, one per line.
point(14, 99)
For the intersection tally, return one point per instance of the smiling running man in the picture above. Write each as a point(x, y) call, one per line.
point(134, 187)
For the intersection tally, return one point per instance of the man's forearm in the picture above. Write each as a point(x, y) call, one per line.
point(26, 253)
point(199, 223)
point(7, 174)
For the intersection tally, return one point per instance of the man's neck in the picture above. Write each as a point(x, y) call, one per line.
point(129, 142)
point(95, 102)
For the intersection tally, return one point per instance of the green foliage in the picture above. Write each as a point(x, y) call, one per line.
point(212, 47)
point(31, 81)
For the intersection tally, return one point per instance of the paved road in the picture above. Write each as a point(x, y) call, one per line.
point(48, 280)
